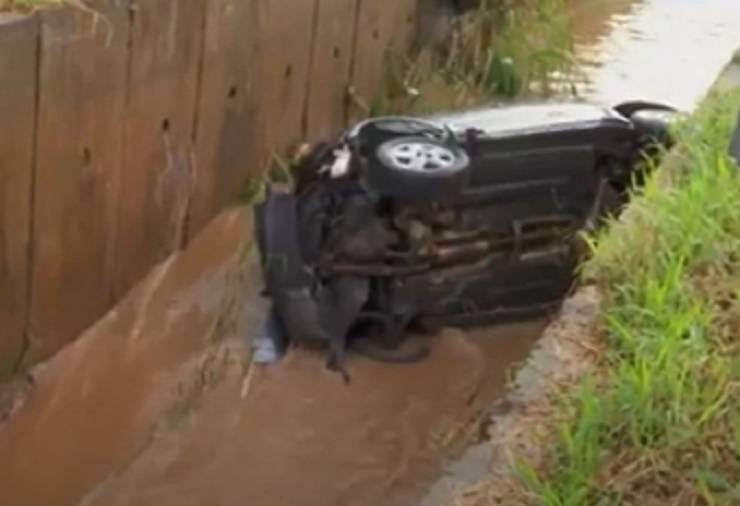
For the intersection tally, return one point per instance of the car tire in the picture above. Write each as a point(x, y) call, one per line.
point(654, 125)
point(652, 120)
point(627, 109)
point(418, 169)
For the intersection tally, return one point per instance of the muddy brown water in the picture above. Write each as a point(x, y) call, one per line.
point(156, 405)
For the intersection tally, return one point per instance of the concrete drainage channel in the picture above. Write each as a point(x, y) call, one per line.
point(206, 428)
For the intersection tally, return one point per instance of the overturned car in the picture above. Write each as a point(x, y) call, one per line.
point(457, 220)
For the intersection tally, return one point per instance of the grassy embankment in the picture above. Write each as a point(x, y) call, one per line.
point(659, 422)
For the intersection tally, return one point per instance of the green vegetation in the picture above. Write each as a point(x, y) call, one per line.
point(25, 5)
point(278, 170)
point(660, 422)
point(502, 50)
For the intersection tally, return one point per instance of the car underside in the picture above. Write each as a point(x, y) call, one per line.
point(454, 220)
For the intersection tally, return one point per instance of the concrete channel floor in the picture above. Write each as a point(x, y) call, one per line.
point(157, 404)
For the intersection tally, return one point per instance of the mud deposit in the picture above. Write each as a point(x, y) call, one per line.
point(294, 434)
point(157, 405)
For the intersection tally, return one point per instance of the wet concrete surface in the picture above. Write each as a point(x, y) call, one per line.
point(566, 351)
point(155, 405)
point(96, 404)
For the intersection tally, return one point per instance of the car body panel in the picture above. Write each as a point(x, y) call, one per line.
point(531, 119)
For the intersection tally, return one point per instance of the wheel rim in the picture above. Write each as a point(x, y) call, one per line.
point(420, 156)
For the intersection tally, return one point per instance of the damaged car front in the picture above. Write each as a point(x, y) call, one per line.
point(457, 220)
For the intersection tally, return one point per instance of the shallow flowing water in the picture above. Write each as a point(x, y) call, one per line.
point(664, 50)
point(133, 414)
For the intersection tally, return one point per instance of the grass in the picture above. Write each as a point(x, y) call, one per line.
point(26, 5)
point(502, 50)
point(505, 48)
point(660, 422)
